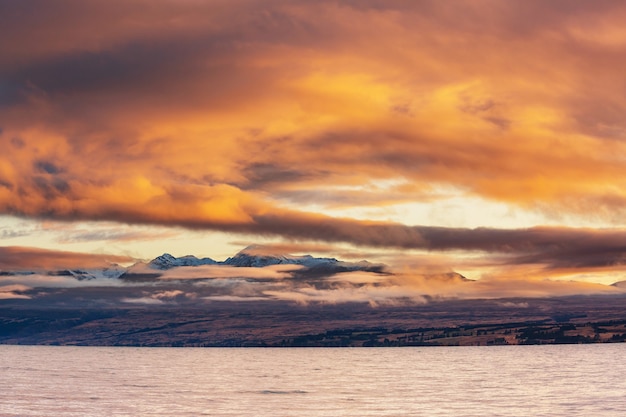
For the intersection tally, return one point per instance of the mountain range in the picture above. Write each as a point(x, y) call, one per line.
point(250, 257)
point(260, 298)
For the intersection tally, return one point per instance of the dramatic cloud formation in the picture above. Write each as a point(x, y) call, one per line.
point(314, 121)
point(201, 285)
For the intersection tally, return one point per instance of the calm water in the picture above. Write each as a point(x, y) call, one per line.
point(575, 380)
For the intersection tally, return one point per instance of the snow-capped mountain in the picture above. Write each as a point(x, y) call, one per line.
point(253, 257)
point(247, 259)
point(167, 261)
point(112, 272)
point(258, 257)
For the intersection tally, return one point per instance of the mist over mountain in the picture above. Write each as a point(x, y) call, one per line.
point(252, 274)
point(250, 257)
point(262, 298)
point(262, 274)
point(258, 257)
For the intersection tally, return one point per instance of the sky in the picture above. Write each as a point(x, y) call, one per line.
point(484, 137)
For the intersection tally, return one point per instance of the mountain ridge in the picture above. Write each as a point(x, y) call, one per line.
point(167, 261)
point(255, 256)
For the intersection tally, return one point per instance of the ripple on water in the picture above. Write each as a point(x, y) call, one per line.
point(549, 381)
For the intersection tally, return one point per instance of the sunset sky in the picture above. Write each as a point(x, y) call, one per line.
point(485, 137)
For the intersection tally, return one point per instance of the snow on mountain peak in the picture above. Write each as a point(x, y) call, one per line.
point(167, 261)
point(259, 257)
point(252, 256)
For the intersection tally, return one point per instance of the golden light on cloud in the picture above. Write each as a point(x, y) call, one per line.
point(323, 122)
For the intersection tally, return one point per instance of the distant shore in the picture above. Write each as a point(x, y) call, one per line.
point(589, 319)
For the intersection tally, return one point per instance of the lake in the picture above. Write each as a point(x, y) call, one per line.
point(555, 380)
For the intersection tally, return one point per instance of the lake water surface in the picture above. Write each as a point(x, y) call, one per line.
point(563, 380)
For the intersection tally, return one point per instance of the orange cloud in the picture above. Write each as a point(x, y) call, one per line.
point(230, 116)
point(15, 258)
